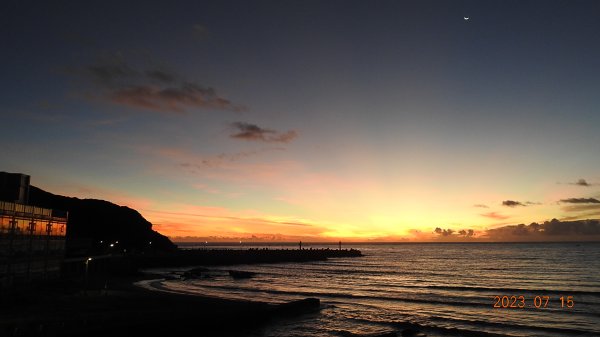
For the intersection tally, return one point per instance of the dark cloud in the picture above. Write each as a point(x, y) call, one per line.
point(580, 201)
point(481, 206)
point(512, 203)
point(581, 182)
point(252, 132)
point(444, 232)
point(149, 88)
point(549, 230)
point(583, 227)
point(451, 234)
point(494, 215)
point(466, 233)
point(171, 99)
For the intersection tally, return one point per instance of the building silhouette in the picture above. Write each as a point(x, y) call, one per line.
point(32, 239)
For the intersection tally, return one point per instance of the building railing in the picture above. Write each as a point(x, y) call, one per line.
point(11, 208)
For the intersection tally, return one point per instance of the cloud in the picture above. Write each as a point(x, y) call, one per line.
point(581, 182)
point(481, 206)
point(580, 201)
point(171, 99)
point(236, 218)
point(149, 87)
point(466, 233)
point(183, 220)
point(199, 162)
point(581, 208)
point(451, 234)
point(512, 203)
point(252, 132)
point(494, 215)
point(549, 230)
point(443, 232)
point(514, 230)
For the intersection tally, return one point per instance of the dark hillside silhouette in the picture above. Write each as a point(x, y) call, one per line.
point(94, 224)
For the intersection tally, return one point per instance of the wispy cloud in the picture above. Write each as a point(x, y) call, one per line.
point(577, 208)
point(236, 218)
point(495, 215)
point(252, 132)
point(481, 206)
point(195, 163)
point(581, 182)
point(223, 222)
point(580, 201)
point(580, 208)
point(155, 88)
point(512, 203)
point(177, 98)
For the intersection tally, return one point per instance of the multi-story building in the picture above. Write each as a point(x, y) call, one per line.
point(32, 239)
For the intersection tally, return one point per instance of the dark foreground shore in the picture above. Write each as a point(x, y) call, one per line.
point(58, 309)
point(99, 298)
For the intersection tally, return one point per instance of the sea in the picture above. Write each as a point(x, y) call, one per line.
point(437, 289)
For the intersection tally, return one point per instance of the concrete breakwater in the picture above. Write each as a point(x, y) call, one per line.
point(214, 257)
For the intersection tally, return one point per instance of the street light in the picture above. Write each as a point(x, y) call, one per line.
point(87, 265)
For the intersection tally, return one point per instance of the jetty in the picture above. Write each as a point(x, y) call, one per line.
point(224, 257)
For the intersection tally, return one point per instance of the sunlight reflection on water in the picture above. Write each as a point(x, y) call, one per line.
point(442, 289)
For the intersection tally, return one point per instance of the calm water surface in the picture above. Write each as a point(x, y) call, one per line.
point(440, 289)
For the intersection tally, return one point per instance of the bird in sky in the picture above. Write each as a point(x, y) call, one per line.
point(466, 18)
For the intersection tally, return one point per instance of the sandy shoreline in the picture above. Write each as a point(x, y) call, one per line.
point(125, 309)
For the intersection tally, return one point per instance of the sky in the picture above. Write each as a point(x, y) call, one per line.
point(315, 120)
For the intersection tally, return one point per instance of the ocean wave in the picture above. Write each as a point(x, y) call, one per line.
point(480, 328)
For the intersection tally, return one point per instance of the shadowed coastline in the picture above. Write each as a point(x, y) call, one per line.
point(56, 309)
point(106, 301)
